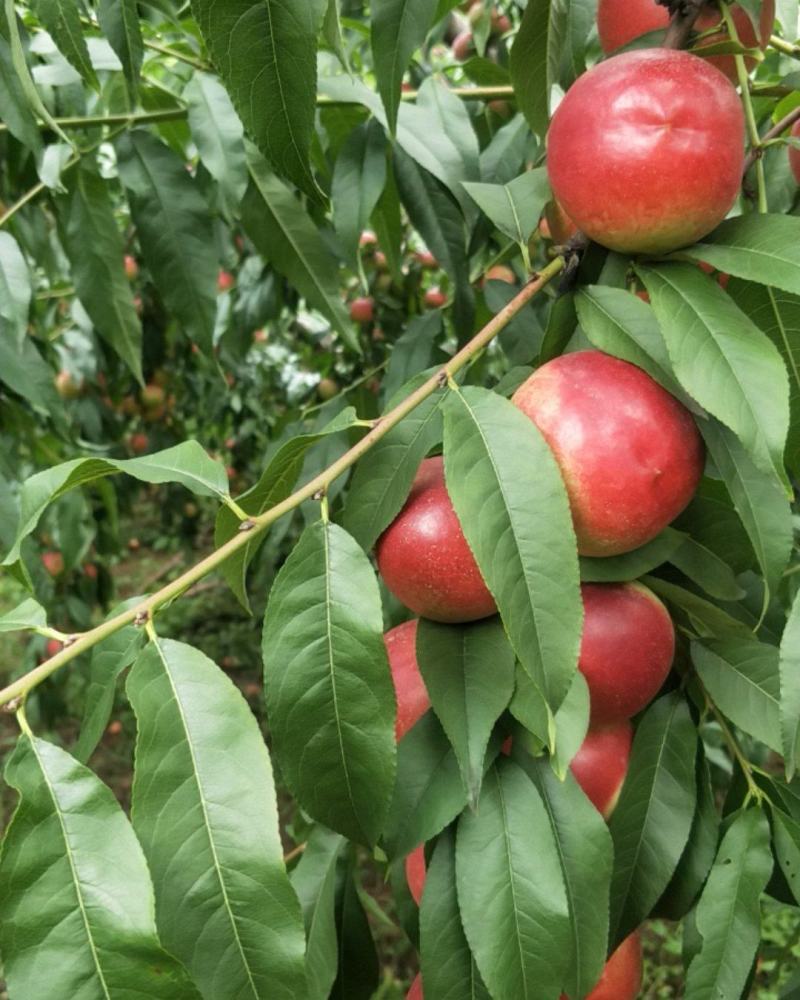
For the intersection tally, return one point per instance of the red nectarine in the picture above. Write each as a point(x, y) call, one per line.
point(601, 764)
point(424, 558)
point(416, 873)
point(362, 310)
point(627, 648)
point(630, 453)
point(409, 688)
point(622, 975)
point(646, 151)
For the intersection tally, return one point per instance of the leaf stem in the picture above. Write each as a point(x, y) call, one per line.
point(166, 50)
point(777, 130)
point(753, 790)
point(97, 121)
point(233, 506)
point(143, 611)
point(787, 48)
point(752, 124)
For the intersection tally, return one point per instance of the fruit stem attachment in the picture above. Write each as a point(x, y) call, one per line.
point(233, 506)
point(143, 611)
point(787, 48)
point(684, 14)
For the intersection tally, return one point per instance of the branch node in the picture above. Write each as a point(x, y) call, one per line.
point(247, 525)
point(142, 618)
point(320, 494)
point(11, 707)
point(442, 378)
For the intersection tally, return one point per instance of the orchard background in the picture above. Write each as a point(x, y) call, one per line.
point(257, 261)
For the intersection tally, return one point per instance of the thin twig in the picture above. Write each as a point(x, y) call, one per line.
point(145, 609)
point(777, 129)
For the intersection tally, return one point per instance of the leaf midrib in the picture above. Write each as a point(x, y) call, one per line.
point(71, 860)
point(206, 821)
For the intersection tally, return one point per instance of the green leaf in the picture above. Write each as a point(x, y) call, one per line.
point(186, 463)
point(777, 313)
point(359, 971)
point(287, 236)
point(110, 657)
point(274, 485)
point(454, 120)
point(504, 156)
point(632, 565)
point(722, 359)
point(571, 725)
point(28, 615)
point(698, 856)
point(561, 322)
point(786, 841)
point(62, 19)
point(119, 22)
point(535, 60)
point(440, 221)
point(314, 881)
point(759, 499)
point(728, 915)
point(585, 857)
point(204, 809)
point(789, 668)
point(510, 499)
point(761, 248)
point(707, 570)
point(530, 709)
point(25, 372)
point(448, 968)
point(651, 823)
point(705, 617)
point(743, 680)
point(95, 249)
point(469, 673)
point(359, 177)
point(515, 207)
point(619, 323)
point(428, 792)
point(412, 353)
point(332, 33)
point(328, 687)
point(15, 285)
point(383, 477)
point(15, 111)
point(266, 54)
point(388, 225)
point(174, 228)
point(398, 29)
point(76, 894)
point(512, 898)
point(218, 134)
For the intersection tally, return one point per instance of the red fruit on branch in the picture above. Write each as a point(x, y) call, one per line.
point(53, 646)
point(601, 764)
point(501, 273)
point(559, 225)
point(463, 46)
point(424, 558)
point(435, 298)
point(415, 993)
point(620, 21)
point(53, 562)
point(622, 975)
point(426, 259)
point(131, 268)
point(90, 571)
point(139, 443)
point(362, 310)
point(627, 648)
point(646, 151)
point(67, 386)
point(225, 281)
point(410, 692)
point(630, 453)
point(794, 153)
point(416, 873)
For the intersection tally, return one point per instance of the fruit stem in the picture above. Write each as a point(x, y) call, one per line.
point(143, 612)
point(752, 124)
point(680, 27)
